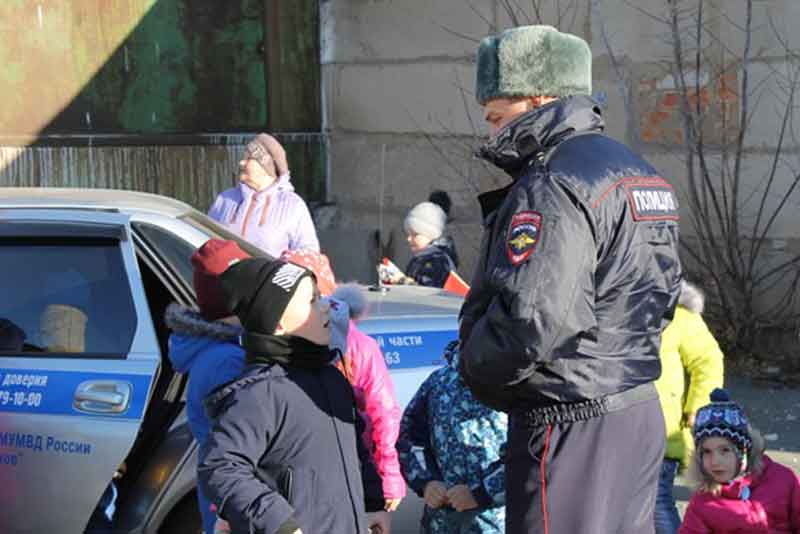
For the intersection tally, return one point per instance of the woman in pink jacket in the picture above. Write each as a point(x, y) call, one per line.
point(739, 488)
point(363, 365)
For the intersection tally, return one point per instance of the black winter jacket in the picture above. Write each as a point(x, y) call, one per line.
point(283, 445)
point(432, 265)
point(578, 272)
point(449, 245)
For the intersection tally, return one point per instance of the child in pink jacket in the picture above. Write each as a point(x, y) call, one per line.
point(739, 488)
point(363, 365)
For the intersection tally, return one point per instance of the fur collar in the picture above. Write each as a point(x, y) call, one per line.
point(185, 321)
point(691, 297)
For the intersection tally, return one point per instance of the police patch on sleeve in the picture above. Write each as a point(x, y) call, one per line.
point(651, 199)
point(524, 233)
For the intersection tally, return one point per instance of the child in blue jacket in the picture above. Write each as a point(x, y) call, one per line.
point(451, 449)
point(205, 344)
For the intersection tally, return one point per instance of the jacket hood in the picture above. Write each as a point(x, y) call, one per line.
point(447, 243)
point(451, 354)
point(251, 374)
point(540, 129)
point(283, 183)
point(443, 242)
point(440, 244)
point(691, 297)
point(193, 335)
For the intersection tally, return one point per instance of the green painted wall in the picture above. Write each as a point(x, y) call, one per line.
point(161, 73)
point(136, 66)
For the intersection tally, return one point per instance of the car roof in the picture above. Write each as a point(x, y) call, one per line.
point(397, 301)
point(91, 199)
point(411, 301)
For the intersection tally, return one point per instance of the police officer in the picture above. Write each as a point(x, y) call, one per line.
point(577, 276)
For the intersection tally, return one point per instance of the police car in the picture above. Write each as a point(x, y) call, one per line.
point(87, 393)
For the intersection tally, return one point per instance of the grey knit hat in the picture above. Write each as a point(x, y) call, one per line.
point(533, 61)
point(426, 218)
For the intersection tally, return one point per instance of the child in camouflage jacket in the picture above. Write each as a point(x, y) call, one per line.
point(451, 449)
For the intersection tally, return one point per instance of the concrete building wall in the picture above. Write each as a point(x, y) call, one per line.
point(399, 109)
point(398, 104)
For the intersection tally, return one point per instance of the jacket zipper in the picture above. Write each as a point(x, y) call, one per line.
point(349, 483)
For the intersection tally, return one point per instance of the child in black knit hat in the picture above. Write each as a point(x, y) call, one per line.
point(740, 489)
point(283, 455)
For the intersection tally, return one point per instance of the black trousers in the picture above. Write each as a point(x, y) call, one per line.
point(598, 476)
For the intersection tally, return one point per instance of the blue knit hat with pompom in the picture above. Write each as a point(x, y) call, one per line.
point(722, 418)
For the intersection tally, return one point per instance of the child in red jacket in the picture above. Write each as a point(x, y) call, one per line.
point(739, 488)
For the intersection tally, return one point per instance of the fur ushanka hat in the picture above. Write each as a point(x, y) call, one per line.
point(533, 61)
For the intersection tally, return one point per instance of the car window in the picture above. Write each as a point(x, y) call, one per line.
point(177, 252)
point(171, 248)
point(65, 297)
point(212, 229)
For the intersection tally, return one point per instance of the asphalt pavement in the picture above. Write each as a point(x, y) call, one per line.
point(773, 408)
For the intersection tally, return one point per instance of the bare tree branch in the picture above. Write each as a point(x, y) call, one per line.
point(743, 99)
point(634, 5)
point(459, 35)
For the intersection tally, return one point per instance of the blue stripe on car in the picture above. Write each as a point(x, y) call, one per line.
point(52, 392)
point(404, 350)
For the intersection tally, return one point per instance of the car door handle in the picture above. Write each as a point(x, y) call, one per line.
point(102, 396)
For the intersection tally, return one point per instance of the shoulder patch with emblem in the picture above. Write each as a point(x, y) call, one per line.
point(524, 233)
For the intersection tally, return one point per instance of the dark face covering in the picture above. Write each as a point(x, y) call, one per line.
point(286, 350)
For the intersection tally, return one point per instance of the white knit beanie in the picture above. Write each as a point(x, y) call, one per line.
point(426, 218)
